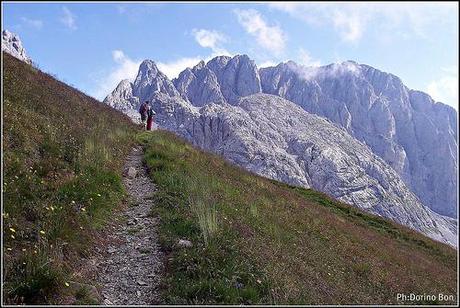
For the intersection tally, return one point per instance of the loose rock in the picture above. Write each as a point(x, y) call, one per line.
point(184, 243)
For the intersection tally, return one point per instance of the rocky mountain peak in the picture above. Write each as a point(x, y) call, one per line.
point(151, 80)
point(12, 44)
point(199, 66)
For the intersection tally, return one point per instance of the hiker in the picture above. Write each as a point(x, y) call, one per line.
point(150, 114)
point(143, 112)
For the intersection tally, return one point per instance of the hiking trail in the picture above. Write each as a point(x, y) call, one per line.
point(130, 267)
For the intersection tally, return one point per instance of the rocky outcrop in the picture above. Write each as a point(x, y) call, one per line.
point(13, 45)
point(222, 79)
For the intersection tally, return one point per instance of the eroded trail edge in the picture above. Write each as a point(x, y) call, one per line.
point(129, 272)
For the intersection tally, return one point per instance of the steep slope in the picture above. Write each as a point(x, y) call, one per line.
point(258, 241)
point(416, 136)
point(63, 154)
point(275, 138)
point(11, 43)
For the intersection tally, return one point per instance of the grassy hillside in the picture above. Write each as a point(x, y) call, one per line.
point(63, 154)
point(260, 241)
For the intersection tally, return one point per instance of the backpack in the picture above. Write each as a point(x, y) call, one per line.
point(142, 109)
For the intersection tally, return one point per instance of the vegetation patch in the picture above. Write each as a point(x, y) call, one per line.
point(63, 157)
point(259, 241)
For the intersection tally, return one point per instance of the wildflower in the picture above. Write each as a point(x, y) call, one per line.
point(35, 251)
point(9, 249)
point(83, 209)
point(52, 208)
point(12, 236)
point(12, 230)
point(81, 227)
point(24, 263)
point(67, 284)
point(258, 281)
point(73, 202)
point(99, 195)
point(23, 249)
point(42, 232)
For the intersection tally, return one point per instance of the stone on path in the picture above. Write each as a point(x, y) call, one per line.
point(184, 243)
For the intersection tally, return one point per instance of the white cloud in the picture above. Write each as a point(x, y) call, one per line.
point(351, 20)
point(269, 37)
point(445, 89)
point(34, 23)
point(210, 39)
point(125, 68)
point(68, 18)
point(268, 63)
point(172, 69)
point(205, 38)
point(304, 58)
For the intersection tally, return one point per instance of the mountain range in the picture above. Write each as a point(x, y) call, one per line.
point(347, 129)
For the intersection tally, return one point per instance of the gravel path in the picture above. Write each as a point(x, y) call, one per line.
point(130, 268)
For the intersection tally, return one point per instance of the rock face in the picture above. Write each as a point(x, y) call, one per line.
point(222, 79)
point(13, 45)
point(414, 135)
point(276, 138)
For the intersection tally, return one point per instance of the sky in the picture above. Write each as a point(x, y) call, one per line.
point(93, 46)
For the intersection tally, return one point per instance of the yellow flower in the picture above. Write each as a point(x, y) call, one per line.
point(12, 230)
point(42, 232)
point(98, 195)
point(83, 209)
point(52, 208)
point(12, 236)
point(67, 284)
point(9, 249)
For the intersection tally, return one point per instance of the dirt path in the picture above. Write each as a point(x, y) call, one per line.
point(130, 266)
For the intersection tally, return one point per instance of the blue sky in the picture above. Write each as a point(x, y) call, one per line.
point(94, 45)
